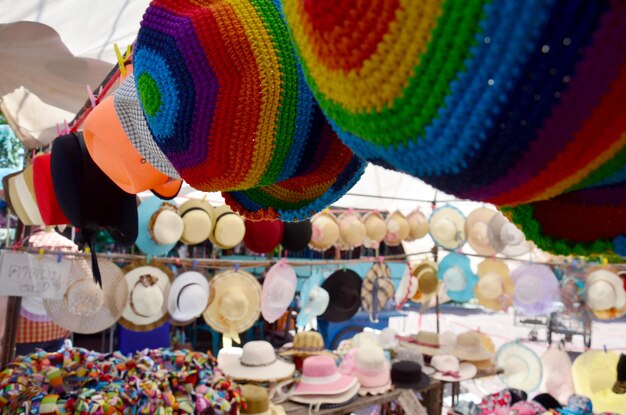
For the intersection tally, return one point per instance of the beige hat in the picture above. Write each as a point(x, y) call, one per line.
point(506, 238)
point(22, 196)
point(198, 218)
point(487, 343)
point(258, 363)
point(427, 282)
point(305, 344)
point(495, 287)
point(235, 302)
point(418, 225)
point(351, 229)
point(469, 347)
point(375, 229)
point(398, 229)
point(447, 227)
point(605, 289)
point(427, 342)
point(449, 369)
point(325, 231)
point(228, 228)
point(86, 308)
point(476, 230)
point(378, 279)
point(148, 291)
point(257, 402)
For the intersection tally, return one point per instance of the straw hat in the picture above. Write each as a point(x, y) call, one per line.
point(228, 228)
point(418, 225)
point(457, 277)
point(227, 355)
point(536, 289)
point(235, 302)
point(427, 282)
point(449, 369)
point(257, 402)
point(325, 231)
point(344, 290)
point(314, 300)
point(372, 369)
point(351, 229)
point(296, 235)
point(258, 363)
point(85, 307)
point(160, 226)
point(447, 227)
point(476, 229)
point(407, 288)
point(198, 219)
point(398, 229)
point(188, 297)
point(427, 342)
point(495, 287)
point(605, 290)
point(521, 365)
point(469, 347)
point(557, 378)
point(148, 292)
point(262, 236)
point(22, 198)
point(375, 229)
point(487, 344)
point(46, 199)
point(506, 238)
point(305, 344)
point(377, 289)
point(279, 288)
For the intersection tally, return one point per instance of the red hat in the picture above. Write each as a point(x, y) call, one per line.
point(263, 236)
point(49, 208)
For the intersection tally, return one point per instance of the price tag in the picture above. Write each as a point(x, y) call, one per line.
point(26, 275)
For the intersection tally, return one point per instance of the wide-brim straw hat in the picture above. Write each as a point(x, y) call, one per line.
point(418, 225)
point(375, 227)
point(398, 229)
point(495, 286)
point(86, 308)
point(506, 238)
point(476, 230)
point(188, 297)
point(605, 289)
point(470, 347)
point(158, 221)
point(153, 297)
point(352, 231)
point(198, 219)
point(326, 231)
point(229, 228)
point(377, 289)
point(447, 227)
point(278, 291)
point(457, 276)
point(235, 302)
point(536, 289)
point(521, 365)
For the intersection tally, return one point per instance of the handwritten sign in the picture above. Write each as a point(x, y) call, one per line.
point(26, 275)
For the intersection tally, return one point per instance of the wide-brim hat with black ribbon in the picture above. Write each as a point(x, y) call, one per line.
point(344, 289)
point(198, 219)
point(88, 198)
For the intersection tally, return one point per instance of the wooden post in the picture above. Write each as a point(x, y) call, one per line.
point(10, 329)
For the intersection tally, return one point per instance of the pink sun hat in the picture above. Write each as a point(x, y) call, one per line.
point(320, 376)
point(279, 288)
point(372, 369)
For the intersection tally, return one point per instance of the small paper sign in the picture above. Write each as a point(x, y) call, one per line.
point(26, 275)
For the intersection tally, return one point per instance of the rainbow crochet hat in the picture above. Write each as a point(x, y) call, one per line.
point(506, 102)
point(227, 103)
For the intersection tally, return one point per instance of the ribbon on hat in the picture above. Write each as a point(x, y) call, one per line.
point(452, 374)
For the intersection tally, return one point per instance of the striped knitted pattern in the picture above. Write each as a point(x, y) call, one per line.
point(226, 101)
point(509, 102)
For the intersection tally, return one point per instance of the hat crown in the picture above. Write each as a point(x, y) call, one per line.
point(258, 353)
point(454, 279)
point(601, 295)
point(528, 289)
point(84, 298)
point(445, 363)
point(319, 366)
point(365, 338)
point(256, 399)
point(406, 372)
point(427, 280)
point(490, 286)
point(234, 305)
point(146, 296)
point(469, 341)
point(375, 227)
point(166, 225)
point(446, 229)
point(191, 298)
point(511, 234)
point(317, 301)
point(308, 341)
point(369, 358)
point(478, 233)
point(428, 338)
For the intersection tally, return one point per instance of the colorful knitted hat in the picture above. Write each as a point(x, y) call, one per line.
point(505, 102)
point(226, 102)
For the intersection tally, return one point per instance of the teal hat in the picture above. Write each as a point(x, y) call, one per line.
point(457, 276)
point(313, 299)
point(160, 226)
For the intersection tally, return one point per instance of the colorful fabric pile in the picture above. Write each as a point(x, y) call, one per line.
point(513, 103)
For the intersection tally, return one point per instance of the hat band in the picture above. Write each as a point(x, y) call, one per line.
point(191, 210)
point(246, 364)
point(320, 380)
point(181, 291)
point(450, 373)
point(309, 349)
point(426, 344)
point(230, 212)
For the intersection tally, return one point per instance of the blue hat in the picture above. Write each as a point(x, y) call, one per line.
point(160, 226)
point(577, 405)
point(456, 274)
point(313, 299)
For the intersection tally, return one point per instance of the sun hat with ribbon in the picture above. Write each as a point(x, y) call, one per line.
point(107, 131)
point(148, 292)
point(22, 201)
point(375, 229)
point(521, 366)
point(188, 297)
point(449, 369)
point(527, 408)
point(406, 289)
point(320, 376)
point(305, 344)
point(326, 231)
point(398, 229)
point(256, 401)
point(235, 303)
point(536, 289)
point(418, 225)
point(377, 289)
point(352, 231)
point(506, 238)
point(427, 283)
point(577, 405)
point(427, 342)
point(495, 287)
point(477, 231)
point(557, 374)
point(160, 226)
point(263, 236)
point(296, 235)
point(46, 198)
point(469, 347)
point(231, 110)
point(229, 228)
point(620, 384)
point(407, 374)
point(258, 363)
point(85, 307)
point(344, 290)
point(371, 368)
point(279, 288)
point(198, 220)
point(457, 277)
point(314, 300)
point(605, 289)
point(447, 227)
point(594, 373)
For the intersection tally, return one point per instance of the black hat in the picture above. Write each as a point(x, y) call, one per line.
point(88, 198)
point(297, 235)
point(517, 395)
point(408, 374)
point(344, 291)
point(547, 401)
point(620, 385)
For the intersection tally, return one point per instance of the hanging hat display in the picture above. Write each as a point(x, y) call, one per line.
point(495, 287)
point(148, 292)
point(536, 289)
point(594, 373)
point(228, 229)
point(351, 229)
point(407, 288)
point(314, 300)
point(506, 238)
point(521, 366)
point(447, 227)
point(457, 277)
point(557, 374)
point(252, 130)
point(188, 296)
point(296, 235)
point(198, 220)
point(160, 226)
point(85, 307)
point(605, 290)
point(344, 290)
point(398, 229)
point(418, 225)
point(377, 289)
point(325, 231)
point(375, 229)
point(449, 369)
point(263, 236)
point(46, 198)
point(279, 288)
point(427, 283)
point(258, 363)
point(477, 231)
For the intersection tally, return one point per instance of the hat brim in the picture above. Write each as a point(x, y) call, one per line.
point(473, 356)
point(466, 371)
point(182, 280)
point(477, 216)
point(428, 351)
point(168, 190)
point(337, 285)
point(342, 384)
point(456, 217)
point(305, 354)
point(363, 391)
point(422, 383)
point(335, 399)
point(276, 371)
point(471, 279)
point(144, 242)
point(530, 379)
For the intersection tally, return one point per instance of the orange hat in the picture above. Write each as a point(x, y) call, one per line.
point(113, 152)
